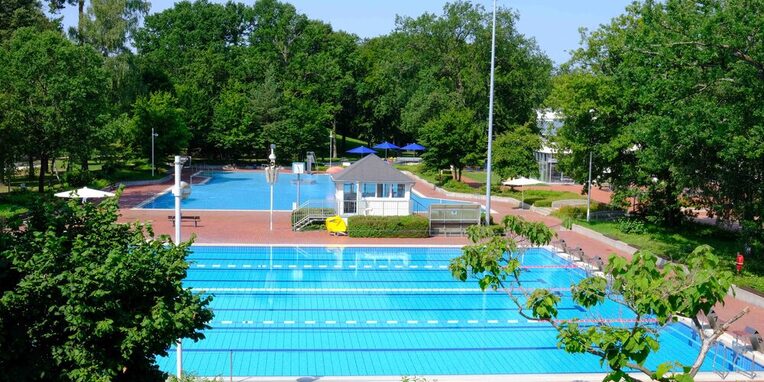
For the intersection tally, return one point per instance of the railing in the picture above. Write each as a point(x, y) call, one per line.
point(376, 207)
point(312, 211)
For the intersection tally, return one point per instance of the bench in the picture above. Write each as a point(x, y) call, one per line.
point(194, 218)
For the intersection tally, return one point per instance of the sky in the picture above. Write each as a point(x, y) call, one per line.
point(553, 23)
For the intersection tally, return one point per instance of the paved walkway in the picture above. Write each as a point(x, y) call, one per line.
point(252, 227)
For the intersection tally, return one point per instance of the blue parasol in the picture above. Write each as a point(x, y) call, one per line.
point(413, 147)
point(386, 146)
point(361, 150)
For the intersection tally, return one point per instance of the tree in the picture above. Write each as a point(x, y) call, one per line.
point(16, 14)
point(108, 25)
point(514, 153)
point(84, 298)
point(665, 294)
point(159, 112)
point(676, 105)
point(55, 93)
point(452, 141)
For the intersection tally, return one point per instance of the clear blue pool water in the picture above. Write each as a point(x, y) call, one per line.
point(318, 311)
point(250, 191)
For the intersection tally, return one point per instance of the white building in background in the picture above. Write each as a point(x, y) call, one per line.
point(549, 122)
point(372, 186)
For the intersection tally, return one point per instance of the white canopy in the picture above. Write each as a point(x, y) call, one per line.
point(521, 181)
point(84, 193)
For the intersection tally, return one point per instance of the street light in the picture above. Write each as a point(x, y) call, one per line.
point(490, 123)
point(153, 135)
point(589, 186)
point(180, 190)
point(331, 143)
point(271, 174)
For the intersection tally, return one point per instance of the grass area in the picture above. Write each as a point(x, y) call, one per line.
point(538, 198)
point(480, 176)
point(676, 243)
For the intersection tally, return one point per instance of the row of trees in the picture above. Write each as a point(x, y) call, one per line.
point(225, 80)
point(668, 98)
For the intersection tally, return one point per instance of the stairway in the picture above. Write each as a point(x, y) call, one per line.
point(312, 211)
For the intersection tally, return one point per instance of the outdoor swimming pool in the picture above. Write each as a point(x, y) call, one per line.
point(250, 191)
point(346, 311)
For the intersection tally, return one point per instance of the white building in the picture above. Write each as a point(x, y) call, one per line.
point(549, 121)
point(372, 186)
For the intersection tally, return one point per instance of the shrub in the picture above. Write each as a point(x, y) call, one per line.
point(388, 226)
point(635, 226)
point(78, 178)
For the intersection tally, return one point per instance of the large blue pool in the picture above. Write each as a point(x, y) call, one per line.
point(321, 311)
point(250, 191)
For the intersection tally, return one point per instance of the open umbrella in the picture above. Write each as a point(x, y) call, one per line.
point(386, 146)
point(363, 150)
point(520, 182)
point(84, 193)
point(413, 147)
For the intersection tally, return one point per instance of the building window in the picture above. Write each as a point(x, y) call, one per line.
point(383, 190)
point(399, 190)
point(369, 190)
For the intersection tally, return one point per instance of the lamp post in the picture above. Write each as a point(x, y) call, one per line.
point(589, 184)
point(331, 146)
point(490, 123)
point(271, 174)
point(153, 135)
point(180, 191)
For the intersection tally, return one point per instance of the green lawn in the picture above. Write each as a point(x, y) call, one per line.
point(539, 198)
point(480, 176)
point(676, 243)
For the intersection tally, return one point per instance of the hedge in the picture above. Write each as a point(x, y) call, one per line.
point(388, 226)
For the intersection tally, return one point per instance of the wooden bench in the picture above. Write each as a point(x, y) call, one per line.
point(194, 218)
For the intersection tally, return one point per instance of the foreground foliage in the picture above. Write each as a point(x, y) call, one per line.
point(84, 298)
point(663, 294)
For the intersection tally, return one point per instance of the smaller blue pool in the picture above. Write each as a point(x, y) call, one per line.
point(250, 191)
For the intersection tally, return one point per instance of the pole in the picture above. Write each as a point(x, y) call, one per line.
point(176, 193)
point(298, 190)
point(152, 152)
point(589, 189)
point(331, 142)
point(271, 215)
point(490, 123)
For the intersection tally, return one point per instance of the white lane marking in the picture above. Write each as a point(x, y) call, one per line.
point(383, 266)
point(511, 321)
point(493, 321)
point(292, 266)
point(340, 290)
point(247, 322)
point(268, 322)
point(216, 265)
point(432, 321)
point(392, 322)
point(442, 266)
point(226, 322)
point(399, 266)
point(533, 321)
point(330, 322)
point(247, 265)
point(200, 265)
point(338, 266)
point(367, 266)
point(412, 322)
point(413, 266)
point(310, 322)
point(289, 322)
point(351, 266)
point(307, 266)
point(351, 322)
point(322, 266)
point(428, 266)
point(231, 265)
point(277, 265)
point(371, 322)
point(453, 321)
point(472, 321)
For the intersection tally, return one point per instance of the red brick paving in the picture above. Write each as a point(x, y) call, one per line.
point(252, 228)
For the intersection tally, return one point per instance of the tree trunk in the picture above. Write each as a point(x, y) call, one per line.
point(30, 163)
point(84, 164)
point(52, 165)
point(43, 169)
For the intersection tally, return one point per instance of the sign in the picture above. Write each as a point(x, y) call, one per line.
point(298, 167)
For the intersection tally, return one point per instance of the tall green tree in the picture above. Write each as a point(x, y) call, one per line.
point(16, 14)
point(55, 91)
point(451, 140)
point(85, 298)
point(160, 113)
point(514, 153)
point(665, 294)
point(674, 85)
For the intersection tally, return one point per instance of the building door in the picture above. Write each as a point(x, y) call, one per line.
point(350, 198)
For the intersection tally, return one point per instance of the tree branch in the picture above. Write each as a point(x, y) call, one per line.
point(710, 340)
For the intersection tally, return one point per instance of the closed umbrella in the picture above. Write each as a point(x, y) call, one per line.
point(521, 182)
point(386, 146)
point(84, 193)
